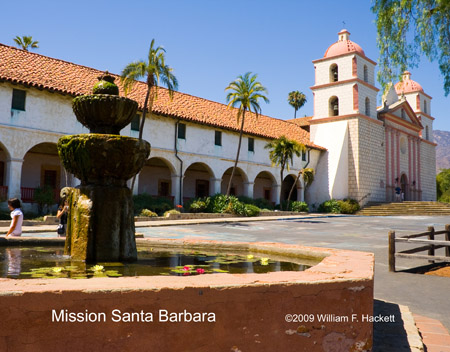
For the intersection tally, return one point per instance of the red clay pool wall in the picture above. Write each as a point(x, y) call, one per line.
point(327, 305)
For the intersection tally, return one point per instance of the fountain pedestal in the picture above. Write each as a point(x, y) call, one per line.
point(100, 225)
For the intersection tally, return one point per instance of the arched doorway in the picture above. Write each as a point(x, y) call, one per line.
point(263, 186)
point(404, 186)
point(237, 186)
point(196, 181)
point(286, 186)
point(155, 178)
point(4, 156)
point(42, 168)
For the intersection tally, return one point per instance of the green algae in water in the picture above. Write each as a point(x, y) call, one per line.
point(51, 263)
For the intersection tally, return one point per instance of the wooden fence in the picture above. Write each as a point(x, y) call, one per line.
point(430, 245)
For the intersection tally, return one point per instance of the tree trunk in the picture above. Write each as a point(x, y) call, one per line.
point(141, 127)
point(293, 186)
point(237, 155)
point(281, 186)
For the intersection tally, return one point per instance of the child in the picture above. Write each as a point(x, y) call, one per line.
point(16, 218)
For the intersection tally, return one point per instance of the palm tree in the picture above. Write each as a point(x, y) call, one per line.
point(308, 178)
point(244, 93)
point(296, 99)
point(154, 70)
point(282, 152)
point(26, 42)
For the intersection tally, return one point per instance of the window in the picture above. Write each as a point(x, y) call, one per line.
point(425, 110)
point(366, 75)
point(135, 123)
point(218, 138)
point(427, 133)
point(164, 188)
point(182, 131)
point(18, 99)
point(267, 193)
point(201, 188)
point(50, 178)
point(303, 156)
point(251, 145)
point(334, 73)
point(334, 106)
point(367, 107)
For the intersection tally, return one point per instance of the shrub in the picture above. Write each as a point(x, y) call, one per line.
point(219, 203)
point(330, 206)
point(200, 205)
point(251, 210)
point(263, 203)
point(156, 204)
point(348, 206)
point(149, 213)
point(298, 206)
point(44, 197)
point(246, 200)
point(172, 211)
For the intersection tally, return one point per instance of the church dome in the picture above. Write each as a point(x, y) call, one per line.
point(407, 85)
point(343, 46)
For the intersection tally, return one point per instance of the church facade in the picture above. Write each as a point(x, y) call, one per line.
point(357, 149)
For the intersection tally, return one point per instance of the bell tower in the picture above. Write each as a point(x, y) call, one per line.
point(345, 110)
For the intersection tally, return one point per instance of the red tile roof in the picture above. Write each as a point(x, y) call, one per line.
point(42, 72)
point(301, 121)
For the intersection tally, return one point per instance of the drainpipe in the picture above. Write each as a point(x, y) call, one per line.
point(181, 162)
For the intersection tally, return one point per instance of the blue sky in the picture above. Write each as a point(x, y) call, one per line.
point(210, 43)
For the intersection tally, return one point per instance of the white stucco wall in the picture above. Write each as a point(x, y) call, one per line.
point(334, 137)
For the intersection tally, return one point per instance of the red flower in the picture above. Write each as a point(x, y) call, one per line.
point(200, 271)
point(186, 268)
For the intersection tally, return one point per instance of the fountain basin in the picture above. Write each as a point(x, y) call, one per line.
point(104, 113)
point(103, 159)
point(249, 309)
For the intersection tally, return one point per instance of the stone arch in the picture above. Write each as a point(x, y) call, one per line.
point(155, 177)
point(263, 186)
point(197, 181)
point(42, 168)
point(333, 106)
point(238, 184)
point(334, 73)
point(4, 158)
point(287, 185)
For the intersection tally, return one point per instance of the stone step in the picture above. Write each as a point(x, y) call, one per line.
point(405, 208)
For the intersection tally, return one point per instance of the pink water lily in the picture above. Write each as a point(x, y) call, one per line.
point(186, 268)
point(200, 271)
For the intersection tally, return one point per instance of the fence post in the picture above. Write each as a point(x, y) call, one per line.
point(447, 238)
point(431, 237)
point(392, 251)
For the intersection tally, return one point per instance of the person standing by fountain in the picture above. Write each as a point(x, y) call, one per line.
point(15, 229)
point(63, 209)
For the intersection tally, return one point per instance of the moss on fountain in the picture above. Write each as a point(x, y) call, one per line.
point(103, 158)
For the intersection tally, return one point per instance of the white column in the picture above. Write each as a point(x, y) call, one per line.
point(175, 187)
point(276, 192)
point(215, 186)
point(14, 177)
point(248, 189)
point(300, 193)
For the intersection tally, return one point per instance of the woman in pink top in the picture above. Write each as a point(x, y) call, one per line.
point(16, 218)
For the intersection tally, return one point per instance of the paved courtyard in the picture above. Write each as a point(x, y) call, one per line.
point(425, 295)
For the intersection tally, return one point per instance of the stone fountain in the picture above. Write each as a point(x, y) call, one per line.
point(101, 220)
